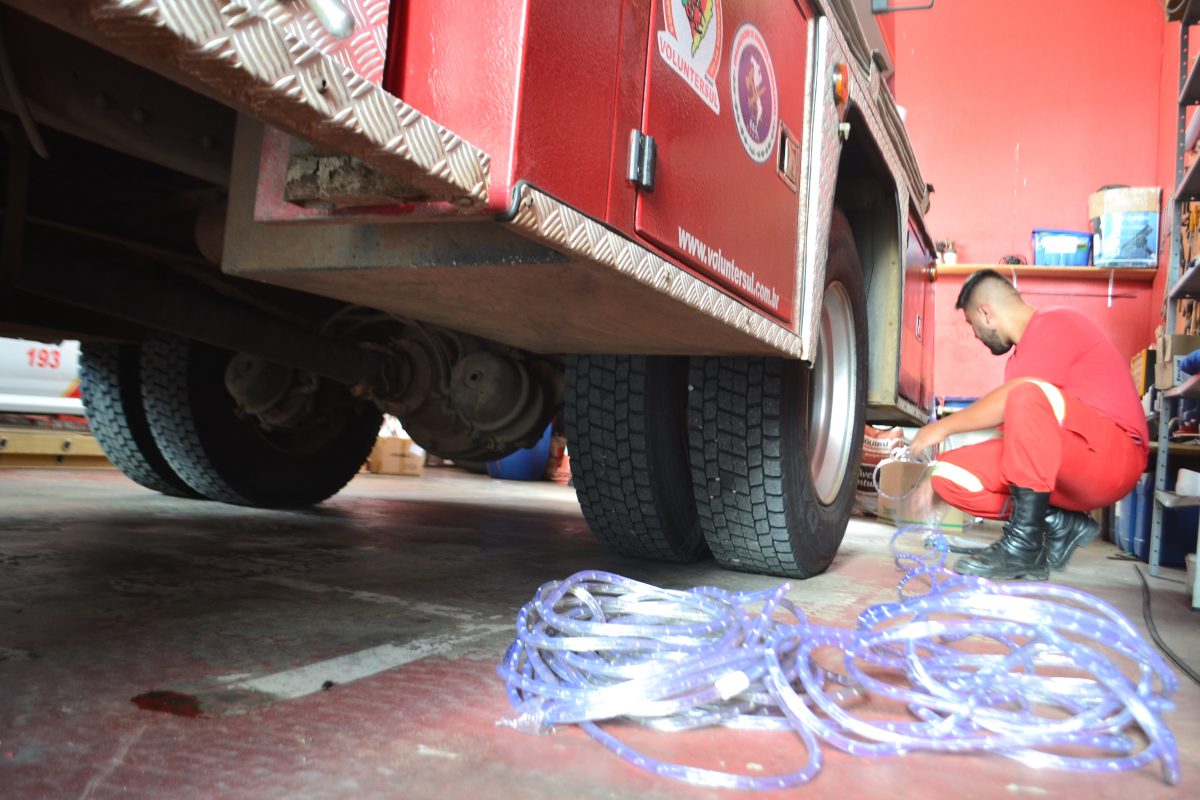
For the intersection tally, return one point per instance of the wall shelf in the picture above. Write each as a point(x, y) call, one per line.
point(1178, 448)
point(1188, 389)
point(1143, 274)
point(1172, 500)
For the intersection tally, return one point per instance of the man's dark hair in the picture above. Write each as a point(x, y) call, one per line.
point(972, 282)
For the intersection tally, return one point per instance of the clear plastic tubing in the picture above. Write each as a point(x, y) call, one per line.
point(1018, 670)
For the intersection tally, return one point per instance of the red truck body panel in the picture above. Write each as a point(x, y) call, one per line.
point(916, 328)
point(532, 84)
point(551, 92)
point(720, 94)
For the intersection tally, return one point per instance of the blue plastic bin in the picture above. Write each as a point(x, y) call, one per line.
point(1179, 527)
point(1059, 248)
point(524, 465)
point(1143, 507)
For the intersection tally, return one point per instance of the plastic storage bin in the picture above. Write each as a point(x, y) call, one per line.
point(524, 465)
point(1057, 248)
point(1179, 527)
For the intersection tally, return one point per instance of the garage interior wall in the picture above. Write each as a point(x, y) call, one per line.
point(1018, 110)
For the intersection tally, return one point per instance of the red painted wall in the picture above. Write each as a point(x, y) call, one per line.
point(1017, 112)
point(965, 368)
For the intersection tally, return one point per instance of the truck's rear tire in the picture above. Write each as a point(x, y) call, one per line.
point(775, 445)
point(111, 386)
point(626, 431)
point(230, 456)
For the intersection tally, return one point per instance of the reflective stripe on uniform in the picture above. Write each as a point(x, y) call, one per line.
point(957, 475)
point(1057, 403)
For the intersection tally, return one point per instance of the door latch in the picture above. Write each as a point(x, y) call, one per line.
point(918, 327)
point(643, 158)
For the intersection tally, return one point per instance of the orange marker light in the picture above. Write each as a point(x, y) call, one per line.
point(841, 84)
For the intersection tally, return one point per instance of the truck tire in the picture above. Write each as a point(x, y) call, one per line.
point(229, 456)
point(775, 445)
point(111, 386)
point(625, 419)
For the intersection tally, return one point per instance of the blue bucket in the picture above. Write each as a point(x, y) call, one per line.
point(528, 464)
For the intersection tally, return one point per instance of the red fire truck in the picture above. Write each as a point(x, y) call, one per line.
point(694, 227)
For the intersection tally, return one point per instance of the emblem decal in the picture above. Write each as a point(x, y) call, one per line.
point(755, 92)
point(691, 45)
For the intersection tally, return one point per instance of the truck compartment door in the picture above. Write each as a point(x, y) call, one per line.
point(725, 105)
point(916, 328)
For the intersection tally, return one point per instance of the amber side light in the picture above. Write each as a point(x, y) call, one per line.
point(841, 84)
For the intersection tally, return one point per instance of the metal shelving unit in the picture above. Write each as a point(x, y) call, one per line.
point(1188, 284)
point(1186, 11)
point(1181, 286)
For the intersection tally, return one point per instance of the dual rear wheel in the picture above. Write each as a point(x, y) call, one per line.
point(752, 459)
point(161, 413)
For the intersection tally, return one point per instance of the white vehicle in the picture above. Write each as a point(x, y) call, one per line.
point(39, 378)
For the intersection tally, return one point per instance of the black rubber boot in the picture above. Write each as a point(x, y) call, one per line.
point(1065, 531)
point(1021, 550)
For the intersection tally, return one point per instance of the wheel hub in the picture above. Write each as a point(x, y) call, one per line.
point(278, 396)
point(832, 392)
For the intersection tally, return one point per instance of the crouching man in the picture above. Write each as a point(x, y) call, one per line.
point(1074, 433)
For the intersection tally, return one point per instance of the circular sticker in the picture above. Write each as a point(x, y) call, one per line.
point(755, 93)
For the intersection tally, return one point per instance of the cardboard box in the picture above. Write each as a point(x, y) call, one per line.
point(1141, 367)
point(1176, 345)
point(1124, 225)
point(877, 445)
point(1164, 374)
point(393, 456)
point(412, 465)
point(920, 507)
point(1169, 348)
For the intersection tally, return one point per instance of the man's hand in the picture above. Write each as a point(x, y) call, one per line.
point(929, 436)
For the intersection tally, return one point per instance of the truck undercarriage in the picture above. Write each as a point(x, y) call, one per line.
point(258, 277)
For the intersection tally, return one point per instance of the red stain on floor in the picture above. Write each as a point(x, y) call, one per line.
point(181, 705)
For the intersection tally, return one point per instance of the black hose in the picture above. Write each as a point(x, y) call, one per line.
point(1149, 618)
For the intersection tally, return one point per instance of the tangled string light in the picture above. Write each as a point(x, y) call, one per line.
point(1018, 670)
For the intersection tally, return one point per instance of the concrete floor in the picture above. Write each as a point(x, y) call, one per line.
point(397, 596)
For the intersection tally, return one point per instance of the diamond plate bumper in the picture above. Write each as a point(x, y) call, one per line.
point(256, 57)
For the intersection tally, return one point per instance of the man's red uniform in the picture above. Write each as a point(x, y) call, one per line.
point(1085, 444)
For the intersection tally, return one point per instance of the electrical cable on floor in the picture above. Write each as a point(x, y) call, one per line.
point(901, 454)
point(1148, 617)
point(1018, 670)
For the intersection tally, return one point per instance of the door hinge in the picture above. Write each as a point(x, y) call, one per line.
point(643, 156)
